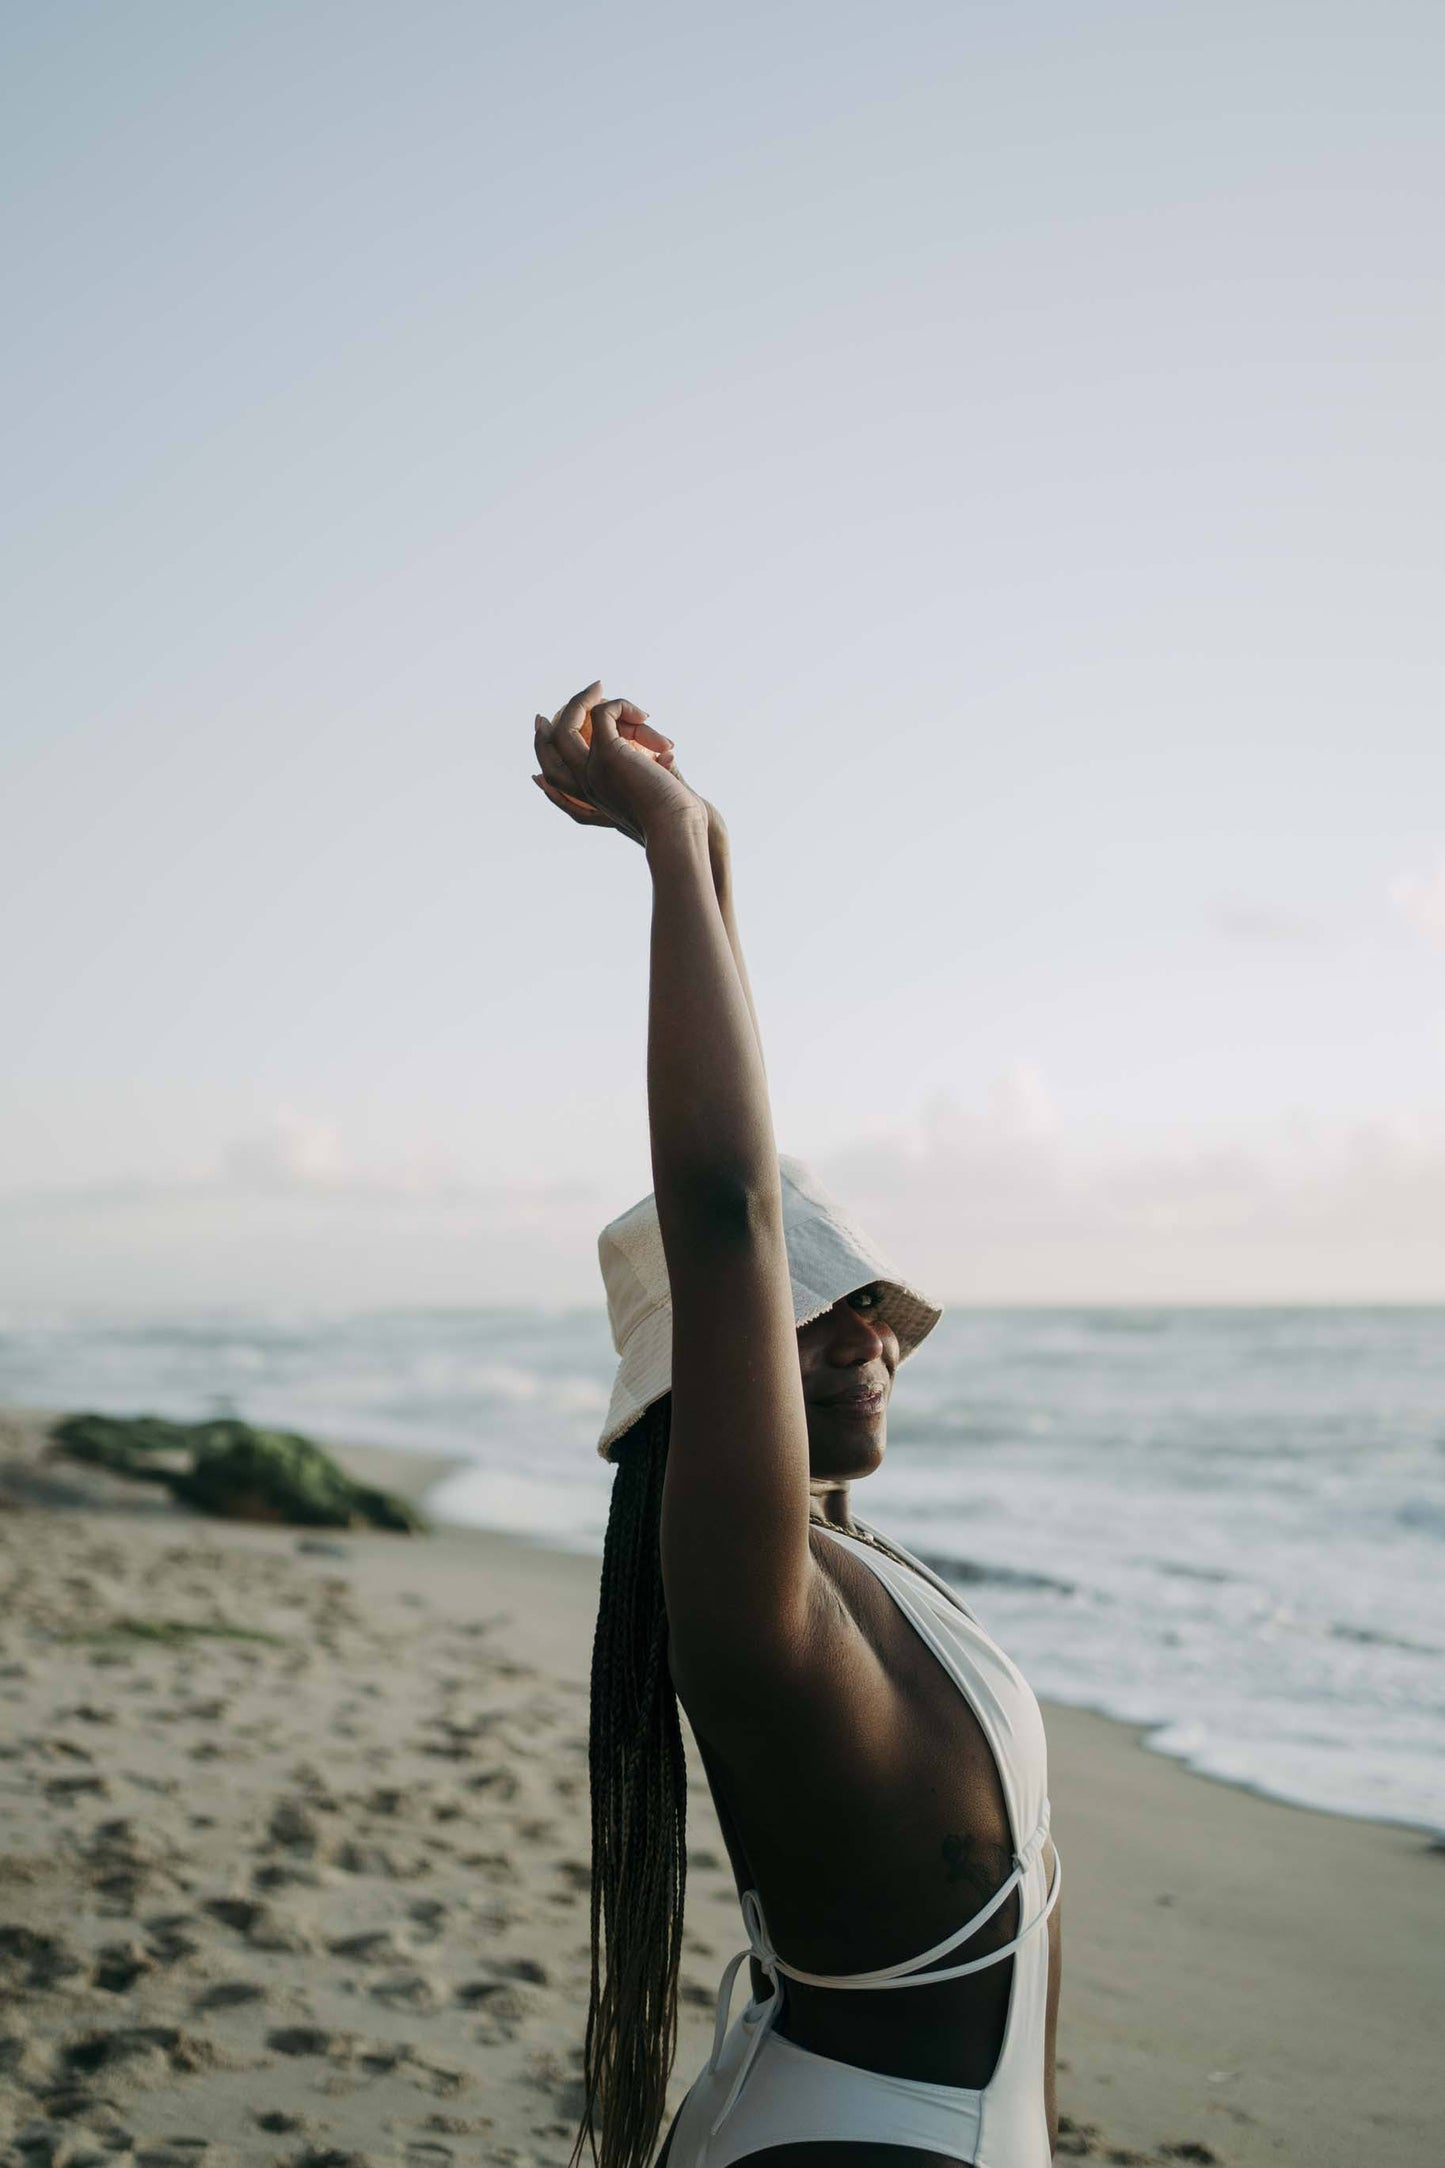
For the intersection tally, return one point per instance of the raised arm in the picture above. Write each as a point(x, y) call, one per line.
point(719, 851)
point(735, 1558)
point(632, 722)
point(735, 1503)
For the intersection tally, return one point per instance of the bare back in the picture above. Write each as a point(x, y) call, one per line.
point(862, 1800)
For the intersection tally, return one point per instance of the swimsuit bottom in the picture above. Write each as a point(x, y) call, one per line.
point(794, 2097)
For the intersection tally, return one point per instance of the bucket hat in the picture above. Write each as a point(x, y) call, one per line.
point(829, 1255)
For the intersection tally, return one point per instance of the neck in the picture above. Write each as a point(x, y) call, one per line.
point(829, 1501)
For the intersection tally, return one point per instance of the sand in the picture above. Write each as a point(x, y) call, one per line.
point(293, 1869)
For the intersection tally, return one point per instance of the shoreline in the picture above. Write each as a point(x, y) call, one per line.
point(371, 1833)
point(1139, 1735)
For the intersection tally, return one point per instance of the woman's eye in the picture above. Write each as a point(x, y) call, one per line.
point(871, 1295)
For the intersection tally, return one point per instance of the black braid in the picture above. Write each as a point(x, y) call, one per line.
point(639, 1820)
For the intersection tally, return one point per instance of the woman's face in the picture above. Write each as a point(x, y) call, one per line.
point(848, 1358)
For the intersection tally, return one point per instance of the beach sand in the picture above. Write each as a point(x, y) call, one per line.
point(293, 1868)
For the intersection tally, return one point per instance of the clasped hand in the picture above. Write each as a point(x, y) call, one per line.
point(604, 765)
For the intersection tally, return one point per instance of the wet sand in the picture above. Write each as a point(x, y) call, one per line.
point(293, 1868)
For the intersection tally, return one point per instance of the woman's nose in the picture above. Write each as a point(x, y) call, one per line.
point(854, 1336)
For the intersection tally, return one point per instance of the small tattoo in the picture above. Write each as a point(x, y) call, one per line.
point(984, 1867)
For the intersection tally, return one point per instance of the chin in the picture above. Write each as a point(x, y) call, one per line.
point(852, 1464)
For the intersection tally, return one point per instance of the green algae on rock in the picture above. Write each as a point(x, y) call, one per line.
point(229, 1468)
point(127, 1445)
point(279, 1475)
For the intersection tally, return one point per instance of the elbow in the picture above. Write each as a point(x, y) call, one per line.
point(720, 1208)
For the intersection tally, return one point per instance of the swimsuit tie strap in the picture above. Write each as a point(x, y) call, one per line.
point(759, 1946)
point(910, 1972)
point(906, 1974)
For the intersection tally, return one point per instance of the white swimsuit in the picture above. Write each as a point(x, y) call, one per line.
point(759, 2090)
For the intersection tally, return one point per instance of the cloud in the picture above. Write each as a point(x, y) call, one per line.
point(293, 1152)
point(1265, 925)
point(1420, 900)
point(298, 1156)
point(997, 1199)
point(1021, 1104)
point(289, 1215)
point(980, 1209)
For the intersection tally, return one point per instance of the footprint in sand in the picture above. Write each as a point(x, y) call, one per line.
point(64, 1791)
point(354, 1858)
point(230, 1995)
point(293, 1826)
point(285, 1874)
point(436, 2075)
point(304, 2040)
point(407, 1991)
point(168, 1940)
point(430, 1917)
point(382, 1945)
point(328, 2156)
point(22, 2062)
point(502, 1784)
point(164, 2047)
point(70, 1749)
point(241, 1913)
point(32, 1960)
point(538, 1831)
point(171, 2153)
point(280, 1932)
point(501, 2016)
point(119, 1965)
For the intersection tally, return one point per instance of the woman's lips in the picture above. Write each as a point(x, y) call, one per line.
point(870, 1403)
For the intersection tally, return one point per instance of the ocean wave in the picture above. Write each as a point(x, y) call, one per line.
point(1226, 1527)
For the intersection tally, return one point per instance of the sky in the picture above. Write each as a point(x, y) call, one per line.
point(1001, 446)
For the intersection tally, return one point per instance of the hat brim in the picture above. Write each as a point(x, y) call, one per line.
point(644, 1373)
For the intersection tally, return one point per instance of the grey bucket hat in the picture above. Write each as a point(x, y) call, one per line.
point(828, 1256)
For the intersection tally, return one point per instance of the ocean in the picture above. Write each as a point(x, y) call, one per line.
point(1226, 1526)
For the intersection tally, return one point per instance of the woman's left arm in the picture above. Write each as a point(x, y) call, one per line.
point(735, 1505)
point(719, 852)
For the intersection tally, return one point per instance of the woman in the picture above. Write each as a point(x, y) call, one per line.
point(877, 1764)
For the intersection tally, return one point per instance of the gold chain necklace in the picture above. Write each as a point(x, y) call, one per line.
point(886, 1550)
point(861, 1535)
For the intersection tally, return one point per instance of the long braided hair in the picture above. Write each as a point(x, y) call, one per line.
point(639, 1820)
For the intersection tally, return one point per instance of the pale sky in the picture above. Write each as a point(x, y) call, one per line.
point(1002, 446)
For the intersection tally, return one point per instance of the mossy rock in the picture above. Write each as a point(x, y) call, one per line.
point(239, 1472)
point(279, 1475)
point(128, 1445)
